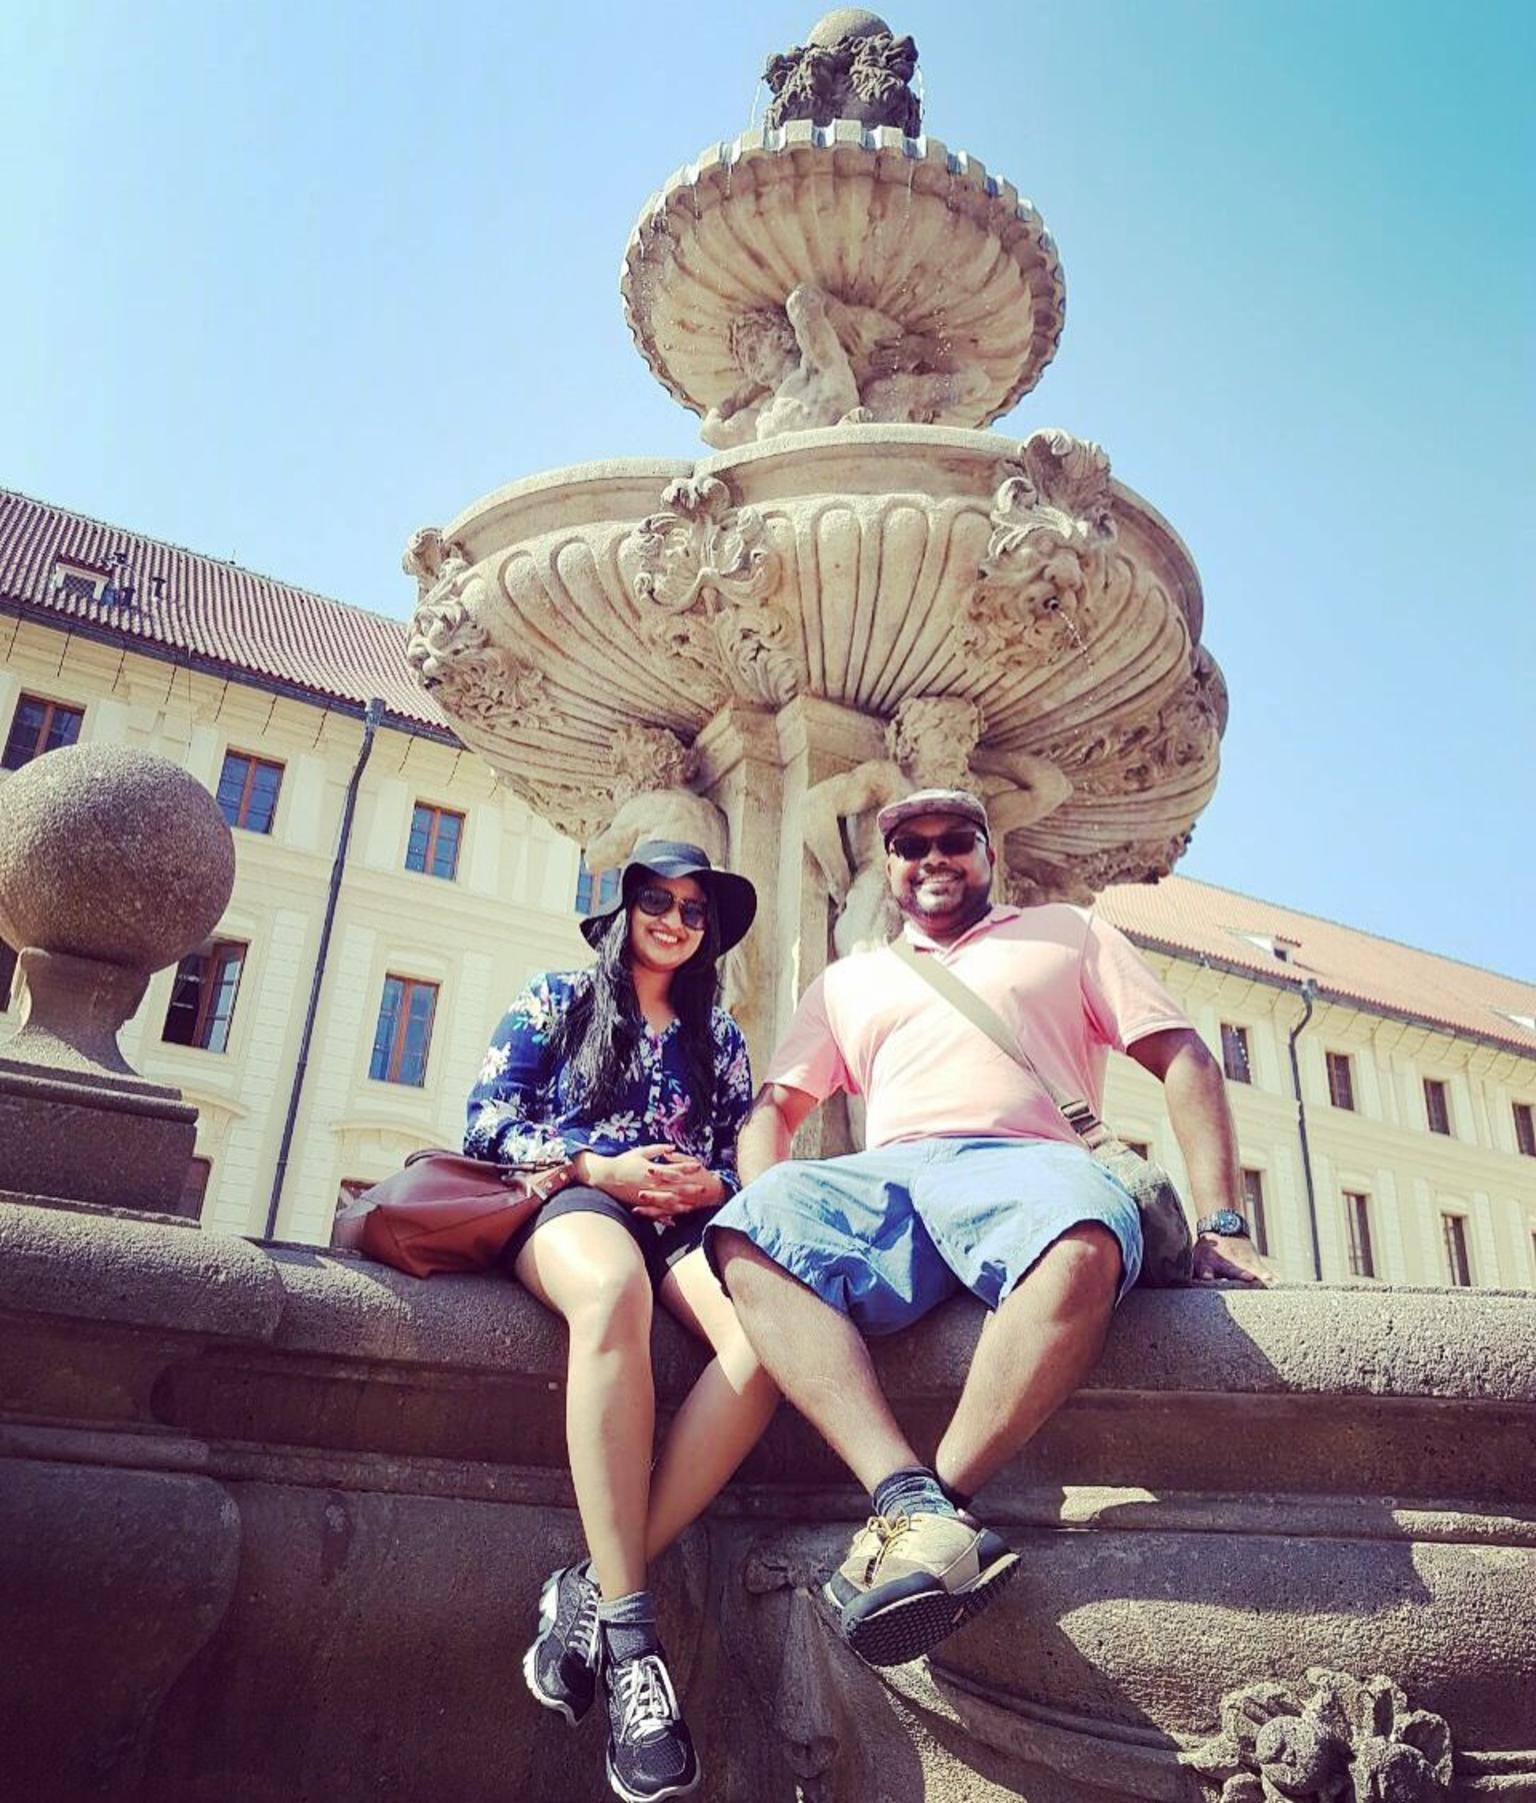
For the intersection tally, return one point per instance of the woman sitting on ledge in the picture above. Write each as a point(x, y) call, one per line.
point(631, 1072)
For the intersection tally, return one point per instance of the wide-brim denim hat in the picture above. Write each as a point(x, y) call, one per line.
point(732, 897)
point(959, 802)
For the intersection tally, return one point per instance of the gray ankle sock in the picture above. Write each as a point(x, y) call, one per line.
point(628, 1625)
point(913, 1490)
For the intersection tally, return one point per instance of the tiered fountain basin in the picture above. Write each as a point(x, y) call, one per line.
point(905, 226)
point(858, 565)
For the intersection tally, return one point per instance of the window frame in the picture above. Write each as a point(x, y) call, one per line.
point(1457, 1249)
point(1360, 1239)
point(1437, 1093)
point(438, 815)
point(1341, 1064)
point(253, 762)
point(395, 1055)
point(595, 898)
point(1524, 1114)
point(52, 710)
point(214, 962)
point(1235, 1037)
point(1253, 1208)
point(10, 963)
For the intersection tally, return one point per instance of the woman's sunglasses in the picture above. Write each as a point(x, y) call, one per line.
point(652, 899)
point(960, 842)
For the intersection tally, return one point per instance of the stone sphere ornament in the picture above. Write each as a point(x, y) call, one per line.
point(111, 854)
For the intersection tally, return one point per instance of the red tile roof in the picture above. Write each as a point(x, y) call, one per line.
point(233, 620)
point(1190, 918)
point(210, 613)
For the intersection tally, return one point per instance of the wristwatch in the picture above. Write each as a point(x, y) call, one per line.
point(1226, 1221)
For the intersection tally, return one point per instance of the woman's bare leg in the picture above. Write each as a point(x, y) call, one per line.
point(589, 1270)
point(724, 1414)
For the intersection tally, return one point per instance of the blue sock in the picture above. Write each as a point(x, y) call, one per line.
point(628, 1625)
point(912, 1490)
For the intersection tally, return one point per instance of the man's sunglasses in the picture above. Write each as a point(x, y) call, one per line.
point(959, 842)
point(652, 899)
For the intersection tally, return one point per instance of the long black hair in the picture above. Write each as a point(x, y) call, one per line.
point(598, 1038)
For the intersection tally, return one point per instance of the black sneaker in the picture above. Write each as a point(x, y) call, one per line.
point(561, 1665)
point(650, 1751)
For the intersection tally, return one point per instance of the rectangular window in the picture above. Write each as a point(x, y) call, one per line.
point(433, 847)
point(596, 898)
point(404, 1033)
point(248, 789)
point(1525, 1129)
point(1458, 1265)
point(194, 1189)
point(7, 975)
point(1357, 1217)
point(203, 996)
point(1234, 1053)
point(1253, 1211)
point(38, 726)
point(1341, 1080)
point(1437, 1105)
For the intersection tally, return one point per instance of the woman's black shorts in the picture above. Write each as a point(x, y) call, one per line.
point(662, 1243)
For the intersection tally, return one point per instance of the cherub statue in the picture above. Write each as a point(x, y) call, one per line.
point(652, 767)
point(800, 370)
point(933, 744)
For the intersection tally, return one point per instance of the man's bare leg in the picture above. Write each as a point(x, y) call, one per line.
point(818, 1359)
point(1034, 1351)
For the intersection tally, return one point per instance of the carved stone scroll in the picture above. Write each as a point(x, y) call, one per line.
point(453, 655)
point(702, 572)
point(852, 67)
point(1045, 563)
point(1331, 1739)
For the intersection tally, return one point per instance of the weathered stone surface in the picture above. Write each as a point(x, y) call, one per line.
point(1249, 1486)
point(111, 854)
point(112, 864)
point(908, 258)
point(871, 568)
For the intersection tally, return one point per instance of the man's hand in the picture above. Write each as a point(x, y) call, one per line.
point(1235, 1259)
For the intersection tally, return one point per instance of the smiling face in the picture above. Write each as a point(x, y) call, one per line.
point(661, 942)
point(943, 892)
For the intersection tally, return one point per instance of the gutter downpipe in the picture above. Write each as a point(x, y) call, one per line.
point(372, 715)
point(1308, 993)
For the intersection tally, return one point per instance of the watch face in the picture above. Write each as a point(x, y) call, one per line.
point(1226, 1221)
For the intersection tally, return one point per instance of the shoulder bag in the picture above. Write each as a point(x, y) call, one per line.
point(444, 1212)
point(1167, 1247)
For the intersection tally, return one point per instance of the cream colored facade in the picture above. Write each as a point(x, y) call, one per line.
point(1383, 1149)
point(509, 911)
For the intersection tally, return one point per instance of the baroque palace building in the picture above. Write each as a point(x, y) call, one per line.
point(1385, 1097)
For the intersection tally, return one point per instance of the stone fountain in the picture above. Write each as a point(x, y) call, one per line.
point(272, 1519)
point(857, 590)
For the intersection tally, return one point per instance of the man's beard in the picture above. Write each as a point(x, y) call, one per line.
point(963, 901)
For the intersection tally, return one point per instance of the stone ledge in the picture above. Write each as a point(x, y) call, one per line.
point(1307, 1340)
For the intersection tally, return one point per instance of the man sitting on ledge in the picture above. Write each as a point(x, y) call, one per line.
point(972, 1179)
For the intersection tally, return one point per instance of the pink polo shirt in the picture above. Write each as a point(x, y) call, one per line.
point(1068, 983)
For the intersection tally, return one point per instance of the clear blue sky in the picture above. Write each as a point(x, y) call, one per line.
point(282, 282)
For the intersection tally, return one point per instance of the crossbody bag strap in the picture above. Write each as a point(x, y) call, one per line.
point(985, 1018)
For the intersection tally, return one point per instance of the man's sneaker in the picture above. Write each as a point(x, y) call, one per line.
point(561, 1665)
point(650, 1751)
point(910, 1580)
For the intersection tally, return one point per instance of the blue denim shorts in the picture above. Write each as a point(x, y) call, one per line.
point(885, 1236)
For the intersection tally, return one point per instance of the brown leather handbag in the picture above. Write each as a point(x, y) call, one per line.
point(445, 1212)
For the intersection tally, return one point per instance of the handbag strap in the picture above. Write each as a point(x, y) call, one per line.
point(985, 1018)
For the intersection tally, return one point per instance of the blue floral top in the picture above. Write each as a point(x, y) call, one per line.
point(522, 1106)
